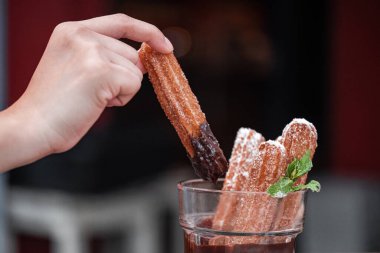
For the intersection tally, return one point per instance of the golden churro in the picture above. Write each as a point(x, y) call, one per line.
point(183, 110)
point(245, 147)
point(256, 212)
point(298, 137)
point(254, 172)
point(246, 213)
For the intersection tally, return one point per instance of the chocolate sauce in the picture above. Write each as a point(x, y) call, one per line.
point(209, 161)
point(202, 244)
point(191, 247)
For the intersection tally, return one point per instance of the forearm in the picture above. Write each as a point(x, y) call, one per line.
point(84, 69)
point(21, 142)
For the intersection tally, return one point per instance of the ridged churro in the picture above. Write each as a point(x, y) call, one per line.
point(262, 167)
point(183, 110)
point(256, 212)
point(298, 137)
point(245, 147)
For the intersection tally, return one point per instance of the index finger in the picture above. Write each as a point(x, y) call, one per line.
point(122, 26)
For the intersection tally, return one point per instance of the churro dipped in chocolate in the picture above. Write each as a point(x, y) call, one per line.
point(183, 110)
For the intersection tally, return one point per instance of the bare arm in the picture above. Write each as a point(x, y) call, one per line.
point(83, 70)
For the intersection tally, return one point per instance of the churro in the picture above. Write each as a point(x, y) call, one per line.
point(183, 110)
point(255, 171)
point(256, 212)
point(251, 212)
point(245, 147)
point(298, 137)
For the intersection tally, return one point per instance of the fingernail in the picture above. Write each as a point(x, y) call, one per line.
point(169, 44)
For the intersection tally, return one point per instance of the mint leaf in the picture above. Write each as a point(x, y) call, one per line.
point(299, 167)
point(296, 169)
point(313, 185)
point(281, 188)
point(292, 169)
point(305, 164)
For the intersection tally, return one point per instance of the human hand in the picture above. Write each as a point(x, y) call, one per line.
point(84, 69)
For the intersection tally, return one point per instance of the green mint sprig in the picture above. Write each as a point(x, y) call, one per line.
point(295, 170)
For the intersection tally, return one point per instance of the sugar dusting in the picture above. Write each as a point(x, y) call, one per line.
point(266, 164)
point(246, 145)
point(299, 122)
point(299, 136)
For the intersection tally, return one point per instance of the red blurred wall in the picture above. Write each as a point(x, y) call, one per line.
point(355, 118)
point(30, 24)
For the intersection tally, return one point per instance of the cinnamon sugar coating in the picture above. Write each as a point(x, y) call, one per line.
point(257, 212)
point(268, 162)
point(245, 212)
point(298, 137)
point(183, 110)
point(245, 147)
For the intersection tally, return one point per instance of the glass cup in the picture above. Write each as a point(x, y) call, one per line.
point(216, 221)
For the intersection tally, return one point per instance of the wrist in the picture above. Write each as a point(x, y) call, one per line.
point(22, 138)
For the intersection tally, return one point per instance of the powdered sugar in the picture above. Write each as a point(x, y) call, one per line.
point(245, 146)
point(299, 121)
point(277, 144)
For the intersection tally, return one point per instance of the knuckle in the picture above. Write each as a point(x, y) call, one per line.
point(122, 17)
point(95, 67)
point(62, 27)
point(135, 88)
point(133, 56)
point(67, 32)
point(129, 80)
point(66, 28)
point(135, 84)
point(139, 75)
point(95, 48)
point(154, 31)
point(77, 31)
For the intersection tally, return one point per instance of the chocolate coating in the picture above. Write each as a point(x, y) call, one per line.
point(192, 247)
point(208, 161)
point(196, 243)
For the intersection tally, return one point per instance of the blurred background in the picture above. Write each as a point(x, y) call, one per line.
point(255, 64)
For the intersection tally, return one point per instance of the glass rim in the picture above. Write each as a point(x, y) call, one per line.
point(272, 233)
point(185, 185)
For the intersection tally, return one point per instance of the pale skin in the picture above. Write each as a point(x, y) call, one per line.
point(84, 69)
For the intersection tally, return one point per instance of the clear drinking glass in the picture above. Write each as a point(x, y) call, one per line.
point(271, 226)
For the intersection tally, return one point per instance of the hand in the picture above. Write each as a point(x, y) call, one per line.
point(83, 70)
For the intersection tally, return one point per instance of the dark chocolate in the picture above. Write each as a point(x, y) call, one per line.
point(209, 161)
point(196, 243)
point(192, 247)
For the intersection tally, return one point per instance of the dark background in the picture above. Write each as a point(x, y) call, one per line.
point(255, 64)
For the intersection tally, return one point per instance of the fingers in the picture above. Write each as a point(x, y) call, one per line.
point(122, 26)
point(127, 84)
point(119, 47)
point(141, 66)
point(125, 63)
point(122, 49)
